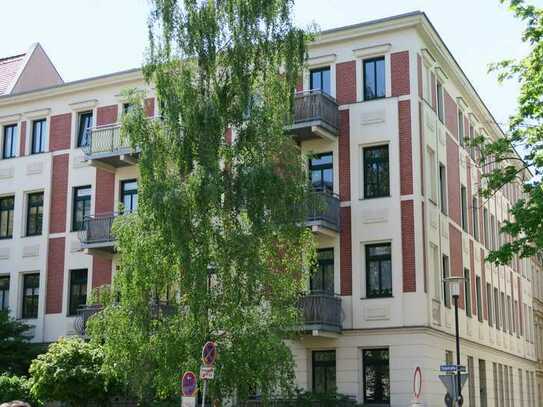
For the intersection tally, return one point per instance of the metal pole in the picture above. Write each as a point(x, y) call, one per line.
point(458, 382)
point(204, 393)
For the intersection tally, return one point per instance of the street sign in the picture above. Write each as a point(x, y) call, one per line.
point(209, 353)
point(188, 401)
point(417, 383)
point(452, 368)
point(207, 372)
point(189, 384)
point(450, 381)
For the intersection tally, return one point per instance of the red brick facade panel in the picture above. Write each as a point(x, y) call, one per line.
point(345, 255)
point(480, 204)
point(469, 197)
point(59, 193)
point(344, 156)
point(22, 139)
point(300, 85)
point(422, 142)
point(106, 115)
point(105, 191)
point(406, 150)
point(433, 90)
point(453, 180)
point(149, 107)
point(101, 271)
point(419, 75)
point(346, 82)
point(55, 276)
point(399, 70)
point(455, 247)
point(424, 259)
point(408, 247)
point(61, 127)
point(451, 114)
point(483, 277)
point(473, 278)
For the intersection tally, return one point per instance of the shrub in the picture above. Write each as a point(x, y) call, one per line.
point(15, 388)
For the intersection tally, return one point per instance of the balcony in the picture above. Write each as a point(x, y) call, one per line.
point(97, 235)
point(84, 313)
point(323, 214)
point(322, 314)
point(106, 149)
point(316, 115)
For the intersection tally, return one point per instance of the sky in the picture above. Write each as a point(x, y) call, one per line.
point(87, 38)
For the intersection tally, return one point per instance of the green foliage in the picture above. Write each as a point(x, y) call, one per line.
point(217, 249)
point(511, 158)
point(16, 351)
point(15, 388)
point(71, 371)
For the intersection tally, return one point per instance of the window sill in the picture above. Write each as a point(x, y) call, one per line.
point(375, 197)
point(34, 235)
point(38, 153)
point(377, 297)
point(6, 237)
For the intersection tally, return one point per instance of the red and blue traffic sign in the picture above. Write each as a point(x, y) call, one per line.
point(189, 384)
point(209, 353)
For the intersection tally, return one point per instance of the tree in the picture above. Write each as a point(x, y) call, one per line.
point(510, 160)
point(217, 249)
point(71, 371)
point(16, 351)
point(15, 388)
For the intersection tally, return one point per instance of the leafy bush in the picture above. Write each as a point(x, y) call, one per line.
point(16, 351)
point(15, 388)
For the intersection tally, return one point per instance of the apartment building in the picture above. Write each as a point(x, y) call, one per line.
point(384, 112)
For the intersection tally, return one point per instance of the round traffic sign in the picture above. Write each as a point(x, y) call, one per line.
point(209, 353)
point(189, 384)
point(417, 383)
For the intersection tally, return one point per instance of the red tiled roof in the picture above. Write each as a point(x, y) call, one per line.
point(8, 70)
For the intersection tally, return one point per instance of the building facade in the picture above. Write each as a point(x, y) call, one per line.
point(383, 112)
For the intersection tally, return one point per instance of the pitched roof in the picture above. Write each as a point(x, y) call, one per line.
point(9, 69)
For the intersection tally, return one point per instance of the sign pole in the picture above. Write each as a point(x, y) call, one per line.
point(204, 393)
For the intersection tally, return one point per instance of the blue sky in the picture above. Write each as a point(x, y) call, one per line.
point(94, 37)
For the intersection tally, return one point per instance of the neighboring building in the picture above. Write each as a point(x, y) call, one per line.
point(387, 135)
point(537, 286)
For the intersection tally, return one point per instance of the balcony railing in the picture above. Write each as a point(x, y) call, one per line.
point(322, 311)
point(106, 145)
point(344, 402)
point(97, 231)
point(315, 114)
point(84, 313)
point(324, 210)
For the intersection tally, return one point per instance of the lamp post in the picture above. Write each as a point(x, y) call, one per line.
point(454, 285)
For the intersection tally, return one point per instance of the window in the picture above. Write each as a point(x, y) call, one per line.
point(83, 131)
point(439, 91)
point(467, 292)
point(39, 135)
point(10, 141)
point(489, 304)
point(482, 383)
point(322, 279)
point(6, 216)
point(495, 382)
point(497, 308)
point(127, 107)
point(464, 207)
point(521, 387)
point(448, 357)
point(319, 79)
point(436, 271)
point(503, 313)
point(376, 376)
point(378, 271)
point(471, 381)
point(485, 227)
point(475, 218)
point(427, 83)
point(509, 315)
point(321, 172)
point(376, 172)
point(324, 371)
point(34, 214)
point(515, 318)
point(500, 385)
point(461, 128)
point(433, 176)
point(78, 290)
point(492, 232)
point(506, 384)
point(31, 284)
point(478, 298)
point(81, 207)
point(374, 78)
point(4, 293)
point(446, 288)
point(443, 188)
point(129, 195)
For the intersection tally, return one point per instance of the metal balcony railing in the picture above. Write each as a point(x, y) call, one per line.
point(316, 105)
point(322, 311)
point(324, 210)
point(97, 229)
point(105, 139)
point(84, 313)
point(345, 402)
